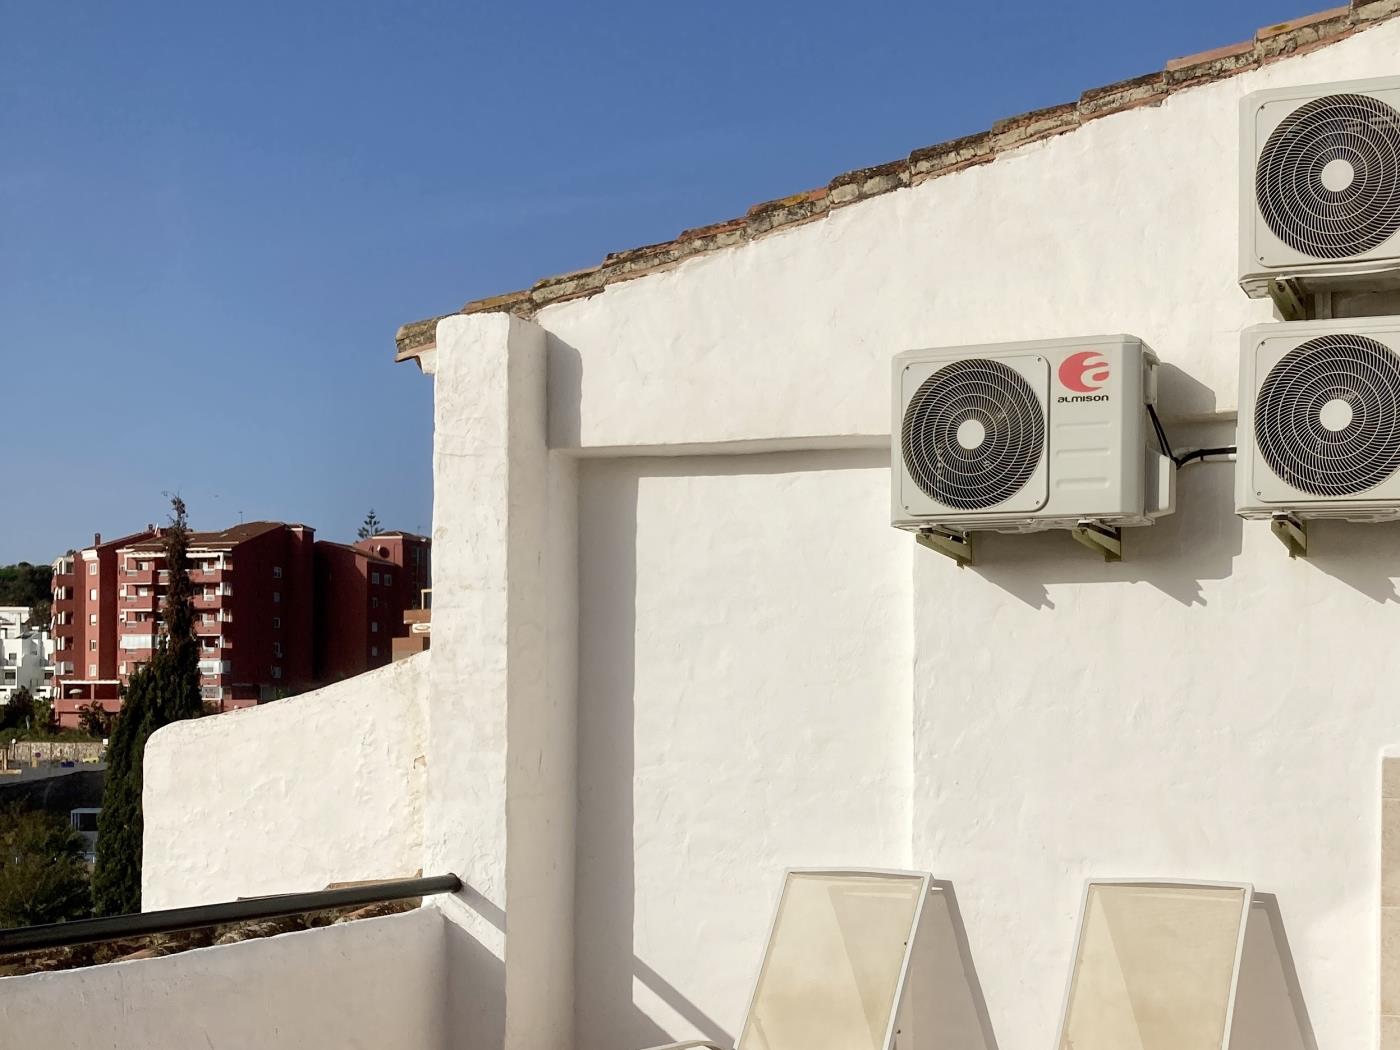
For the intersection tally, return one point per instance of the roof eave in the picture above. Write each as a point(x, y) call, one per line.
point(1269, 44)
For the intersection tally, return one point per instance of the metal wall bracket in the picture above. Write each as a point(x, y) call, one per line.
point(1292, 532)
point(1101, 539)
point(950, 544)
point(1292, 302)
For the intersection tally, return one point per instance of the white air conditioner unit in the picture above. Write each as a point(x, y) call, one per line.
point(1319, 425)
point(1320, 187)
point(1018, 437)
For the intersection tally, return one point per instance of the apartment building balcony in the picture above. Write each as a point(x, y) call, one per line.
point(214, 624)
point(217, 574)
point(203, 600)
point(68, 604)
point(138, 603)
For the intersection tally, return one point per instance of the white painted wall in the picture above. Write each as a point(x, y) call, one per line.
point(1207, 708)
point(744, 706)
point(319, 788)
point(362, 985)
point(501, 803)
point(1127, 224)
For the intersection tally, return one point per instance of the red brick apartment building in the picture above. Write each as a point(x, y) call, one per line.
point(276, 611)
point(362, 593)
point(85, 625)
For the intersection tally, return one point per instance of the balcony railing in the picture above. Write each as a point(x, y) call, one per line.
point(173, 920)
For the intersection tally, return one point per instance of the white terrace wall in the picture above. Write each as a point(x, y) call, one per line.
point(361, 985)
point(319, 788)
point(768, 675)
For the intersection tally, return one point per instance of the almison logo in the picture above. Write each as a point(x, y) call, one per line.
point(1084, 373)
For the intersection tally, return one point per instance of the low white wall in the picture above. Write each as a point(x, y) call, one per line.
point(319, 788)
point(374, 983)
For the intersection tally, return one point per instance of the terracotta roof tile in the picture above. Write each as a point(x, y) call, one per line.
point(1270, 43)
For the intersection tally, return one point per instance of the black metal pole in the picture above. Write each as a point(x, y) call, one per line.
point(172, 920)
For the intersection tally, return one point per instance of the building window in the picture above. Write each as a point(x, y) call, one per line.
point(92, 619)
point(92, 670)
point(276, 597)
point(92, 645)
point(277, 649)
point(92, 568)
point(122, 668)
point(277, 672)
point(277, 572)
point(374, 627)
point(388, 579)
point(92, 595)
point(374, 602)
point(277, 623)
point(207, 618)
point(374, 650)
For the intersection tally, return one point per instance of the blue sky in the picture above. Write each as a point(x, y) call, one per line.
point(212, 219)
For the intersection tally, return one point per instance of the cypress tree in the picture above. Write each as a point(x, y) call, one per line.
point(164, 691)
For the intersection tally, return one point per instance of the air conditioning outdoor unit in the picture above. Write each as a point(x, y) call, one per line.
point(1319, 422)
point(1320, 188)
point(1019, 437)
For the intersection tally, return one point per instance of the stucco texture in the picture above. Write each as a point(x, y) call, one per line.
point(292, 795)
point(361, 985)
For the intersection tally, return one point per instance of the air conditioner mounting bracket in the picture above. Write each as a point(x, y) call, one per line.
point(1100, 538)
point(1292, 302)
point(948, 542)
point(1292, 531)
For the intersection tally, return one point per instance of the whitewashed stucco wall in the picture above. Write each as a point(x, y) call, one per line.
point(1127, 224)
point(362, 985)
point(1206, 709)
point(318, 788)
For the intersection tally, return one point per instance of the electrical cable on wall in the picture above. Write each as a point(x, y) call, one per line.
point(1198, 455)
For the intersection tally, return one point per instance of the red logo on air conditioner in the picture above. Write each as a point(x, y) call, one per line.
point(1084, 372)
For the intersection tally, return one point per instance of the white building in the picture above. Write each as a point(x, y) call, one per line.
point(677, 646)
point(26, 655)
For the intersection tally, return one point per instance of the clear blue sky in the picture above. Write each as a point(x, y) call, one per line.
point(213, 218)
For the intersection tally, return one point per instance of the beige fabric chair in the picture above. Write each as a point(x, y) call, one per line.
point(835, 964)
point(1155, 966)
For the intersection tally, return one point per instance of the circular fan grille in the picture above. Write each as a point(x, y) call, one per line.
point(1327, 419)
point(973, 434)
point(1328, 180)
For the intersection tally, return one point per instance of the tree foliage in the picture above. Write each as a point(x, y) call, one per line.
point(95, 720)
point(165, 690)
point(25, 584)
point(371, 526)
point(42, 874)
point(18, 711)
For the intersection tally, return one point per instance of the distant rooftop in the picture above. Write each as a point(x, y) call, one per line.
point(222, 539)
point(1269, 44)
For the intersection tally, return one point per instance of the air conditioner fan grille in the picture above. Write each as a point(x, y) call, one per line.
point(1327, 417)
point(1328, 179)
point(973, 434)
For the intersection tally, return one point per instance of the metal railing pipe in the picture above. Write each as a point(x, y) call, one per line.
point(174, 920)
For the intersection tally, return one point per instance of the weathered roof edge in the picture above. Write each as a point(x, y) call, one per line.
point(1271, 43)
